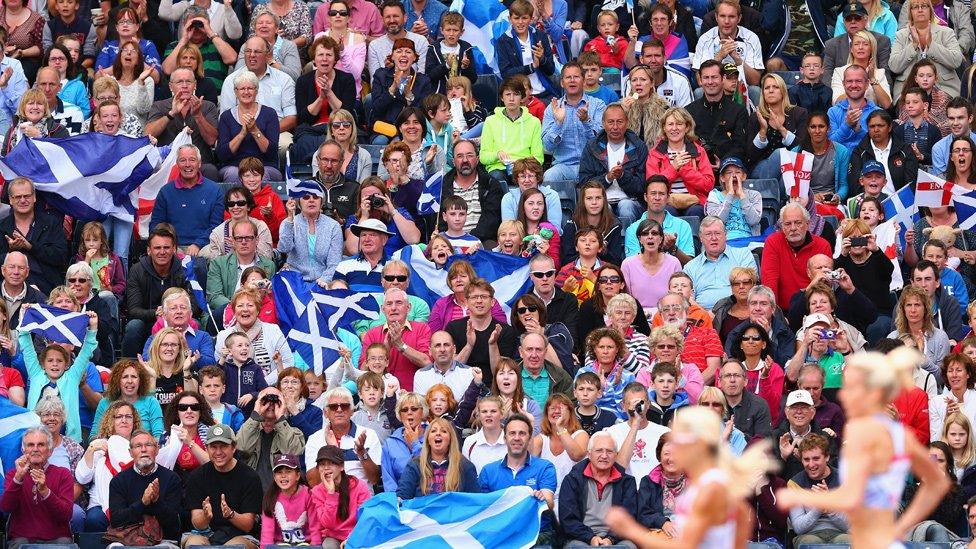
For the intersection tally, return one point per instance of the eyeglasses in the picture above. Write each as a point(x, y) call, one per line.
point(126, 22)
point(960, 151)
point(185, 407)
point(169, 345)
point(716, 405)
point(671, 308)
point(142, 445)
point(479, 297)
point(126, 417)
point(751, 338)
point(235, 203)
point(338, 13)
point(743, 282)
point(249, 51)
point(77, 280)
point(666, 346)
point(527, 309)
point(245, 238)
point(103, 98)
point(409, 409)
point(395, 278)
point(336, 406)
point(608, 279)
point(732, 376)
point(651, 233)
point(544, 274)
point(340, 124)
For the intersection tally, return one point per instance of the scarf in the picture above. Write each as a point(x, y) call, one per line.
point(672, 489)
point(645, 117)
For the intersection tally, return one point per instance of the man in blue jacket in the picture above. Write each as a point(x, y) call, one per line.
point(849, 117)
point(190, 202)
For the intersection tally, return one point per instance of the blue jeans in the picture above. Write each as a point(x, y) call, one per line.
point(120, 232)
point(95, 520)
point(692, 211)
point(77, 519)
point(561, 172)
point(768, 168)
point(134, 338)
point(627, 212)
point(113, 303)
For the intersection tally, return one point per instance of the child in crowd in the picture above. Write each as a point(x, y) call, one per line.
point(510, 235)
point(455, 215)
point(532, 214)
point(510, 134)
point(336, 499)
point(536, 107)
point(810, 92)
point(587, 390)
point(664, 395)
point(235, 358)
point(592, 72)
point(609, 46)
point(440, 132)
point(450, 56)
point(459, 89)
point(579, 277)
point(370, 411)
point(316, 386)
point(950, 280)
point(109, 279)
point(526, 50)
point(65, 21)
point(213, 383)
point(916, 130)
point(288, 513)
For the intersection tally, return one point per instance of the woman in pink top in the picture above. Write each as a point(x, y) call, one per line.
point(455, 306)
point(648, 272)
point(336, 500)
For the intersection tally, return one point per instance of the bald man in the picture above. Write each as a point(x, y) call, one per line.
point(408, 340)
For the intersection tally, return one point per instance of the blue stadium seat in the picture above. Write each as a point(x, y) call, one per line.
point(280, 187)
point(612, 80)
point(761, 545)
point(376, 152)
point(90, 540)
point(771, 191)
point(927, 545)
point(567, 194)
point(695, 223)
point(832, 221)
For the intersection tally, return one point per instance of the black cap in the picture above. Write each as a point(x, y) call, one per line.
point(330, 453)
point(854, 8)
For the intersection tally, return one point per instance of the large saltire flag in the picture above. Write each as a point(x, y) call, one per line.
point(14, 421)
point(484, 22)
point(505, 519)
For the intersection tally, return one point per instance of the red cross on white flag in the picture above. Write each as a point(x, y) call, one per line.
point(932, 192)
point(796, 168)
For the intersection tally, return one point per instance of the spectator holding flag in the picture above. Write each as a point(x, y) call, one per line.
point(312, 240)
point(32, 119)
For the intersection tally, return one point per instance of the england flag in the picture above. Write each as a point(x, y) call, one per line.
point(932, 191)
point(796, 168)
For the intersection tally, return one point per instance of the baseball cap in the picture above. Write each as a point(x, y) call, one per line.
point(854, 8)
point(330, 453)
point(872, 166)
point(220, 433)
point(286, 460)
point(730, 68)
point(815, 318)
point(799, 397)
point(732, 161)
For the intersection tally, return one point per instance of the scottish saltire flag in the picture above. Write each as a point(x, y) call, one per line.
point(751, 242)
point(427, 280)
point(508, 274)
point(14, 420)
point(343, 307)
point(796, 168)
point(304, 326)
point(430, 199)
point(146, 195)
point(484, 22)
point(506, 519)
point(198, 292)
point(298, 188)
point(901, 211)
point(54, 324)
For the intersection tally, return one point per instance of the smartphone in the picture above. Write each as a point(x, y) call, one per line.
point(859, 241)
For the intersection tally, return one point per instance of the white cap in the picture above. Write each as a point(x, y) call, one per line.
point(799, 397)
point(816, 318)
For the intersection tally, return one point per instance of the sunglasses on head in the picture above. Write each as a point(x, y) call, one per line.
point(544, 274)
point(236, 203)
point(336, 406)
point(185, 407)
point(612, 279)
point(395, 278)
point(527, 309)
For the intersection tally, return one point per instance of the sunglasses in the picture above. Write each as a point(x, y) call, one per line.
point(185, 407)
point(651, 233)
point(339, 13)
point(751, 338)
point(77, 280)
point(409, 409)
point(235, 203)
point(342, 124)
point(395, 278)
point(614, 279)
point(717, 405)
point(544, 274)
point(335, 407)
point(665, 346)
point(528, 309)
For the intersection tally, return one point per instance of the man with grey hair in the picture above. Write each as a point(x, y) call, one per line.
point(79, 279)
point(275, 88)
point(193, 204)
point(36, 234)
point(408, 340)
point(14, 289)
point(168, 117)
point(177, 312)
point(559, 304)
point(146, 489)
point(589, 490)
point(38, 496)
point(396, 274)
point(709, 270)
point(786, 252)
point(764, 312)
point(541, 378)
point(360, 446)
point(224, 272)
point(702, 345)
point(284, 52)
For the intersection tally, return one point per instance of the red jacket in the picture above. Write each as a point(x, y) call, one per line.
point(610, 57)
point(784, 269)
point(265, 196)
point(913, 412)
point(697, 175)
point(536, 108)
point(770, 388)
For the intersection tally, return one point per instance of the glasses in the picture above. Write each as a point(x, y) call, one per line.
point(409, 409)
point(528, 309)
point(608, 279)
point(749, 282)
point(751, 338)
point(246, 88)
point(126, 417)
point(77, 280)
point(600, 451)
point(249, 51)
point(395, 278)
point(544, 274)
point(103, 98)
point(338, 13)
point(126, 22)
point(337, 125)
point(336, 406)
point(142, 445)
point(671, 308)
point(732, 376)
point(236, 203)
point(184, 407)
point(716, 405)
point(169, 345)
point(666, 346)
point(651, 233)
point(245, 238)
point(960, 151)
point(479, 297)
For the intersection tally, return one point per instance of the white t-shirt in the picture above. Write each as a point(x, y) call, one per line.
point(526, 47)
point(348, 444)
point(645, 446)
point(675, 89)
point(747, 46)
point(615, 155)
point(480, 453)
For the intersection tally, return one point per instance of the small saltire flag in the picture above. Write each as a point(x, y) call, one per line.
point(453, 519)
point(304, 325)
point(191, 276)
point(430, 199)
point(145, 195)
point(427, 280)
point(796, 168)
point(54, 324)
point(508, 274)
point(14, 421)
point(932, 191)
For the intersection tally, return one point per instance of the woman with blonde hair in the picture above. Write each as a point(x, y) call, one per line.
point(864, 53)
point(776, 124)
point(510, 234)
point(712, 511)
point(410, 424)
point(357, 162)
point(679, 156)
point(666, 343)
point(169, 365)
point(440, 467)
point(924, 38)
point(877, 456)
point(913, 318)
point(33, 120)
point(106, 88)
point(714, 399)
point(189, 57)
point(880, 19)
point(644, 107)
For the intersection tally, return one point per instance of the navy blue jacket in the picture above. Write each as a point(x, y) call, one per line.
point(572, 501)
point(650, 504)
point(509, 55)
point(593, 164)
point(409, 485)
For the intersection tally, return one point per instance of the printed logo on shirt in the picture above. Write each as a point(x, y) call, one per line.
point(248, 377)
point(639, 448)
point(531, 482)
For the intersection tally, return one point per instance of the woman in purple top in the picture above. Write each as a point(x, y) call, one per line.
point(454, 306)
point(647, 273)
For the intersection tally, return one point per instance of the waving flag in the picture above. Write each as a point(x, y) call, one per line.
point(796, 168)
point(302, 323)
point(296, 189)
point(149, 190)
point(14, 421)
point(54, 324)
point(452, 519)
point(484, 22)
point(427, 281)
point(508, 274)
point(932, 191)
point(191, 276)
point(343, 307)
point(430, 199)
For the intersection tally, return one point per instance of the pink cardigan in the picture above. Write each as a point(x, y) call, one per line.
point(294, 507)
point(446, 310)
point(327, 505)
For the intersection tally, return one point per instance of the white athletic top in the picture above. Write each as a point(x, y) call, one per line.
point(717, 537)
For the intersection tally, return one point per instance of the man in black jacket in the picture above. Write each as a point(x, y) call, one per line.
point(482, 193)
point(148, 280)
point(146, 489)
point(720, 122)
point(584, 499)
point(37, 235)
point(559, 304)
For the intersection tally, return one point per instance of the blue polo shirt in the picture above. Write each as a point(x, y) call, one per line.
point(711, 277)
point(357, 273)
point(196, 340)
point(537, 474)
point(671, 224)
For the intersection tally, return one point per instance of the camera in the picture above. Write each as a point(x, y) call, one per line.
point(833, 276)
point(859, 241)
point(611, 40)
point(828, 334)
point(270, 399)
point(638, 409)
point(262, 284)
point(196, 24)
point(376, 202)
